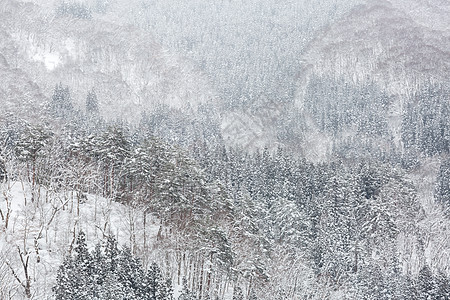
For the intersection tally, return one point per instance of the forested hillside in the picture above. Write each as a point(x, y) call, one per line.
point(225, 150)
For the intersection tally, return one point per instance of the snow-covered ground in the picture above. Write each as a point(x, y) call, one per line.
point(42, 230)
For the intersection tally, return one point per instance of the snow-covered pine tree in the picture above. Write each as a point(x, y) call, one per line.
point(3, 172)
point(61, 103)
point(112, 148)
point(426, 285)
point(156, 287)
point(73, 9)
point(130, 273)
point(111, 254)
point(108, 273)
point(74, 279)
point(92, 108)
point(66, 281)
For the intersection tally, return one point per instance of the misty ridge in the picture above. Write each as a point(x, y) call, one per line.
point(230, 149)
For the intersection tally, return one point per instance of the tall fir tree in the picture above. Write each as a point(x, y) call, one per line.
point(92, 108)
point(61, 102)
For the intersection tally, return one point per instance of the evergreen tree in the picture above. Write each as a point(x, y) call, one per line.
point(425, 284)
point(99, 271)
point(92, 108)
point(443, 286)
point(31, 143)
point(66, 281)
point(61, 102)
point(252, 295)
point(112, 150)
point(111, 254)
point(74, 279)
point(157, 288)
point(101, 6)
point(30, 148)
point(73, 9)
point(130, 272)
point(425, 124)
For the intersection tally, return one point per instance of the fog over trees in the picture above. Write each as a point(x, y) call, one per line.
point(224, 150)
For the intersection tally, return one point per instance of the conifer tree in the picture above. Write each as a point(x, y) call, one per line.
point(130, 273)
point(74, 279)
point(425, 284)
point(92, 108)
point(252, 295)
point(61, 102)
point(157, 288)
point(111, 253)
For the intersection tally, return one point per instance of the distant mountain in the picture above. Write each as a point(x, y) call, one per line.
point(385, 42)
point(127, 68)
point(396, 47)
point(16, 88)
point(249, 50)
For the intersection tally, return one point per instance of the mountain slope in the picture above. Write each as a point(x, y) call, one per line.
point(383, 44)
point(129, 71)
point(382, 41)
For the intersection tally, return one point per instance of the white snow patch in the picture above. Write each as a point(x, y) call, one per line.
point(38, 51)
point(50, 60)
point(70, 48)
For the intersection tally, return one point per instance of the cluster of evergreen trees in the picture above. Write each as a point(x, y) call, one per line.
point(337, 214)
point(61, 106)
point(337, 105)
point(84, 154)
point(357, 117)
point(74, 9)
point(80, 10)
point(109, 273)
point(426, 121)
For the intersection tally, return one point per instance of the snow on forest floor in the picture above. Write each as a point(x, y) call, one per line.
point(43, 229)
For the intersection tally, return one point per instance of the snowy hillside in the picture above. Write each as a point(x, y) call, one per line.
point(41, 228)
point(224, 150)
point(388, 44)
point(89, 53)
point(250, 51)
